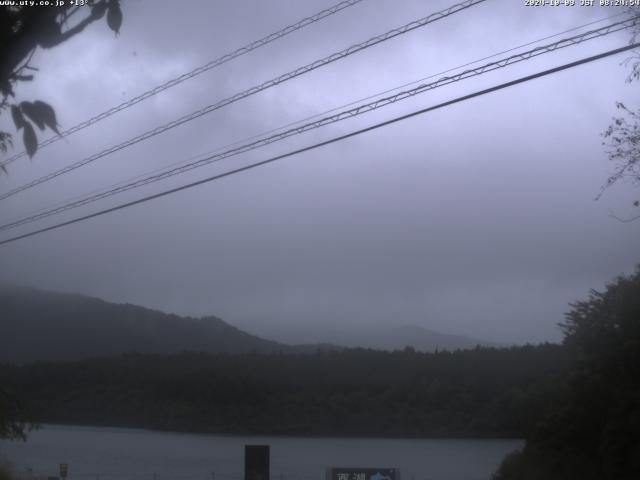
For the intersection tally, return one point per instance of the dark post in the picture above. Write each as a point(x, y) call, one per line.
point(256, 462)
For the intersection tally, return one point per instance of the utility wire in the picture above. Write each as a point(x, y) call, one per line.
point(359, 110)
point(311, 117)
point(193, 73)
point(330, 141)
point(251, 91)
point(317, 115)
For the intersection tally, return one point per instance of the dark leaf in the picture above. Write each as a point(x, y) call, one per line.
point(114, 16)
point(33, 113)
point(30, 139)
point(47, 114)
point(5, 141)
point(97, 11)
point(6, 89)
point(18, 119)
point(636, 203)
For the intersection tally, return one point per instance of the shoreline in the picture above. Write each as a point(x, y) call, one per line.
point(334, 436)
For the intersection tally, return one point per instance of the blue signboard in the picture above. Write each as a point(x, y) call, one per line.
point(363, 474)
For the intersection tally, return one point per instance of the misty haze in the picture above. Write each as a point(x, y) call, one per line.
point(362, 240)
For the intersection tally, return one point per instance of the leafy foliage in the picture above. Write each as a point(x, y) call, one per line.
point(23, 29)
point(594, 433)
point(13, 422)
point(114, 17)
point(30, 139)
point(623, 140)
point(622, 137)
point(5, 143)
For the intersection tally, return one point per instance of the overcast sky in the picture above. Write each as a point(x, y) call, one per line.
point(478, 219)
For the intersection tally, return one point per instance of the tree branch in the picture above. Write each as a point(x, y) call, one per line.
point(623, 220)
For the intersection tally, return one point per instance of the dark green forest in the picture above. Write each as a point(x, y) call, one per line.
point(481, 392)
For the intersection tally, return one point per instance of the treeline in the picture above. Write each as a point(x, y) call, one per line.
point(483, 392)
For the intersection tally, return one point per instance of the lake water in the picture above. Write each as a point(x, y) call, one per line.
point(125, 454)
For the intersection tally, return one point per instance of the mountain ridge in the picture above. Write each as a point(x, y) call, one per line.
point(42, 325)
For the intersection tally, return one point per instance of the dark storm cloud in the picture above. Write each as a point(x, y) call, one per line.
point(477, 219)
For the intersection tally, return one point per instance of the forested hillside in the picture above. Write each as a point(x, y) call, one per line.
point(38, 325)
point(479, 392)
point(45, 326)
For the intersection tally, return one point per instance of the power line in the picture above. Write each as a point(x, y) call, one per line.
point(193, 73)
point(359, 110)
point(342, 115)
point(354, 102)
point(316, 115)
point(330, 141)
point(251, 91)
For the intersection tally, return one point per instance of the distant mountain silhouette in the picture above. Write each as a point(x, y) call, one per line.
point(38, 325)
point(381, 337)
point(420, 338)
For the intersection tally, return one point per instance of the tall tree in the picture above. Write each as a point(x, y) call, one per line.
point(594, 433)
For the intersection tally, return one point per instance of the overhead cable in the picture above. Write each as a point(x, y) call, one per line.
point(251, 91)
point(193, 73)
point(320, 114)
point(353, 112)
point(327, 142)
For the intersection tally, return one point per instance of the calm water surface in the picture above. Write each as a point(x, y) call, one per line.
point(124, 454)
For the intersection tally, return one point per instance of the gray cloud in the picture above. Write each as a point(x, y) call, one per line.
point(477, 219)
